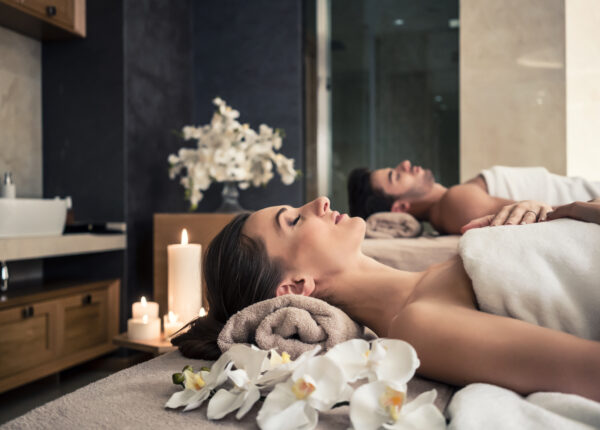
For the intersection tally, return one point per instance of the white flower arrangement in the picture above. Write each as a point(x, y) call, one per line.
point(298, 390)
point(229, 151)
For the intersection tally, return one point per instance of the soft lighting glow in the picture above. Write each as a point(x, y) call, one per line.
point(145, 319)
point(144, 302)
point(172, 317)
point(184, 237)
point(202, 312)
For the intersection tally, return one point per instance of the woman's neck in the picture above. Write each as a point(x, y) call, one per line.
point(370, 292)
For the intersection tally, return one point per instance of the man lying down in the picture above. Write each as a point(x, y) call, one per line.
point(518, 308)
point(413, 190)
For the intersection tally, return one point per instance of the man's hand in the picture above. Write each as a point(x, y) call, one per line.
point(582, 211)
point(525, 212)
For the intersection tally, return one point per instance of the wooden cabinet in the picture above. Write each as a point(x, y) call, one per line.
point(27, 337)
point(50, 330)
point(44, 19)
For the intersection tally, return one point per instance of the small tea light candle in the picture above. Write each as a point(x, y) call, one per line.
point(144, 328)
point(171, 323)
point(143, 307)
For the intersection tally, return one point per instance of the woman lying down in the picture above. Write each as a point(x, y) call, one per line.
point(444, 312)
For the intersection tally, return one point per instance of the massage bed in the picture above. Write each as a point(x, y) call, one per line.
point(135, 397)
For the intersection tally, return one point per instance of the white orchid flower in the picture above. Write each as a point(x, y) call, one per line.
point(227, 150)
point(199, 385)
point(249, 363)
point(201, 177)
point(280, 367)
point(315, 385)
point(376, 405)
point(265, 131)
point(391, 360)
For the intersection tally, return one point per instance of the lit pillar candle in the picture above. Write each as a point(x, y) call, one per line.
point(171, 323)
point(185, 287)
point(144, 307)
point(143, 328)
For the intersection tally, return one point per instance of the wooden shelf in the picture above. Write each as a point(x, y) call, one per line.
point(154, 346)
point(25, 248)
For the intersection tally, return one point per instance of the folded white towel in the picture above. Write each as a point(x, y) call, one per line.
point(546, 273)
point(484, 406)
point(536, 183)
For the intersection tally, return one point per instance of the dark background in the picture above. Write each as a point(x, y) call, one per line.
point(112, 101)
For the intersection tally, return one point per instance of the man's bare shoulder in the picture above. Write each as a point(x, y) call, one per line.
point(464, 194)
point(459, 205)
point(478, 180)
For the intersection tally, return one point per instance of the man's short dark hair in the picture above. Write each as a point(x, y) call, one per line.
point(363, 199)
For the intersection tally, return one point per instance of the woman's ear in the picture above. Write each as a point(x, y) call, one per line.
point(400, 206)
point(302, 285)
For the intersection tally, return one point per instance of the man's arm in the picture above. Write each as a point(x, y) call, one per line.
point(462, 203)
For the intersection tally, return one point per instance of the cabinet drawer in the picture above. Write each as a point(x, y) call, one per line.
point(60, 11)
point(84, 321)
point(27, 337)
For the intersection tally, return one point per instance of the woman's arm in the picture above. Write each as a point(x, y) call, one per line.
point(582, 211)
point(459, 346)
point(524, 212)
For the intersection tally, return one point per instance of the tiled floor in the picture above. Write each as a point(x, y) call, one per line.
point(20, 400)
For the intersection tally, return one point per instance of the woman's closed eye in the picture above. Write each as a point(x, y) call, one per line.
point(295, 221)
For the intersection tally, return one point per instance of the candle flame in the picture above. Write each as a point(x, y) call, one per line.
point(202, 312)
point(172, 317)
point(184, 237)
point(144, 303)
point(145, 319)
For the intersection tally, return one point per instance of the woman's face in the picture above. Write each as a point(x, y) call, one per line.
point(311, 239)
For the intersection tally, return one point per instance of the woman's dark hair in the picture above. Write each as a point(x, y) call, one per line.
point(238, 273)
point(363, 199)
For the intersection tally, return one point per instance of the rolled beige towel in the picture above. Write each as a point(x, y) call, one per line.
point(390, 225)
point(290, 323)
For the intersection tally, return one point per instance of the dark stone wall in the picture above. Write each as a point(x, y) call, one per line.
point(250, 55)
point(83, 126)
point(112, 101)
point(158, 101)
point(82, 111)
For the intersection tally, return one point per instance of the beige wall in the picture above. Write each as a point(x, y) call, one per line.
point(583, 88)
point(512, 84)
point(21, 111)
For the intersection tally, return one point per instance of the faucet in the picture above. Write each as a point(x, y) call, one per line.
point(4, 277)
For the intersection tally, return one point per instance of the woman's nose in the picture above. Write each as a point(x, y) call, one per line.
point(321, 205)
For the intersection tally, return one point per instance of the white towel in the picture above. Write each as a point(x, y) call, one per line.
point(546, 273)
point(483, 406)
point(536, 183)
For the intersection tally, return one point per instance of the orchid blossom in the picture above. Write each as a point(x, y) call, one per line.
point(229, 151)
point(390, 360)
point(198, 386)
point(377, 405)
point(315, 385)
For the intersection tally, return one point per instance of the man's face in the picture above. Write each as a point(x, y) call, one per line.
point(403, 181)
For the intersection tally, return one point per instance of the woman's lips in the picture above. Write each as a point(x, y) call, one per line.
point(339, 217)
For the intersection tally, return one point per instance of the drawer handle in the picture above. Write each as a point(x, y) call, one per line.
point(27, 312)
point(50, 10)
point(86, 300)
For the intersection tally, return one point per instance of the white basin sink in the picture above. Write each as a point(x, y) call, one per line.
point(32, 217)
